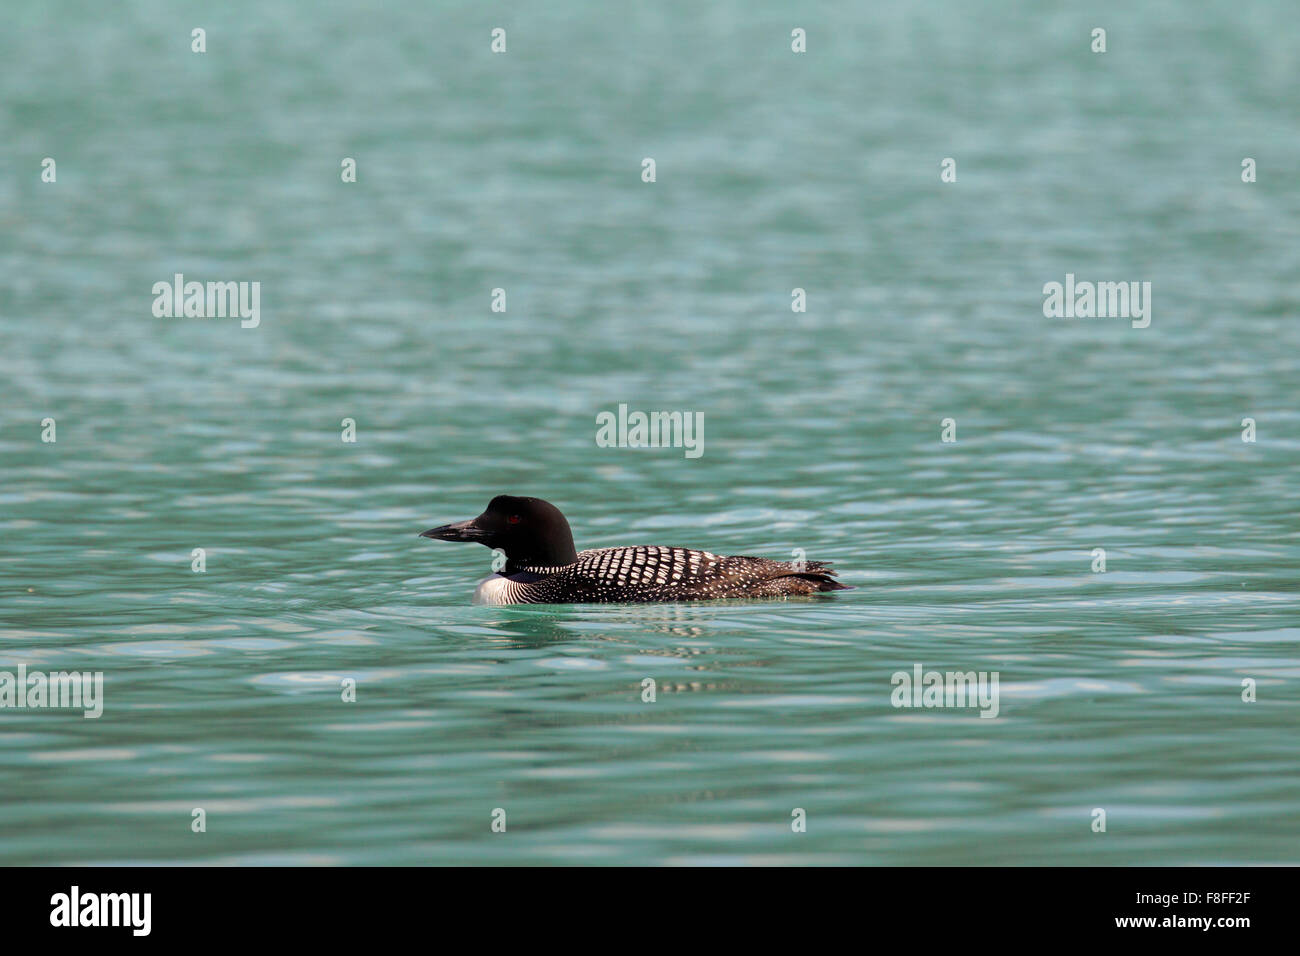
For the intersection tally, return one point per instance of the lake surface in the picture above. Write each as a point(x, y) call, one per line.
point(1120, 691)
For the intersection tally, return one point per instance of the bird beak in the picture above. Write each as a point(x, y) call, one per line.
point(460, 531)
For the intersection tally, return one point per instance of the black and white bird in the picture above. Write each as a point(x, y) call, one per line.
point(542, 566)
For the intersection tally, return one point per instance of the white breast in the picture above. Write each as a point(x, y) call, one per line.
point(494, 590)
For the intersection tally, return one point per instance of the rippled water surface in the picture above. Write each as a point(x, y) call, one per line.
point(1119, 691)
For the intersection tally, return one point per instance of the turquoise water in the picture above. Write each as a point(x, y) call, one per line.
point(1119, 690)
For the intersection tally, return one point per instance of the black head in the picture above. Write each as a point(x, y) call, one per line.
point(531, 532)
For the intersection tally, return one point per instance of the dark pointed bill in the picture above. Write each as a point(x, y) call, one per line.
point(459, 531)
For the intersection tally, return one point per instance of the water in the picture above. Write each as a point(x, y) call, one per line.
point(1119, 690)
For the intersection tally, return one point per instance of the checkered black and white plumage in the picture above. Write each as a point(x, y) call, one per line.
point(652, 573)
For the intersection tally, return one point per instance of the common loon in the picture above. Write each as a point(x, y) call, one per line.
point(542, 566)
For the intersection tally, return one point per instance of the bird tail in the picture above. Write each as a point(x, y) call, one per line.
point(820, 574)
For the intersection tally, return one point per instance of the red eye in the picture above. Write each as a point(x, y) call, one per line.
point(513, 519)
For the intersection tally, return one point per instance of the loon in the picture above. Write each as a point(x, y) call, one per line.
point(542, 566)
